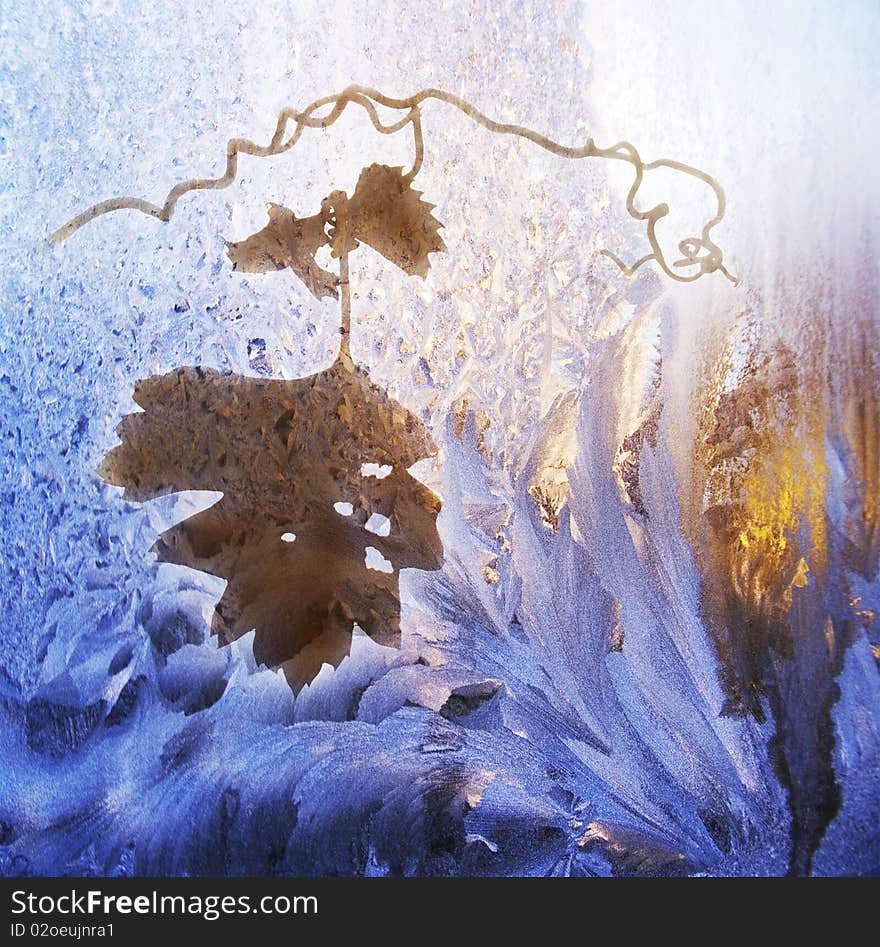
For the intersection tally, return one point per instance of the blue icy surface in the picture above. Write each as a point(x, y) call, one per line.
point(562, 718)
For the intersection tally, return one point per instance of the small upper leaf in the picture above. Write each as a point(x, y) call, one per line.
point(287, 241)
point(388, 214)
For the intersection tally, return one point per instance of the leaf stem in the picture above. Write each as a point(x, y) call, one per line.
point(345, 308)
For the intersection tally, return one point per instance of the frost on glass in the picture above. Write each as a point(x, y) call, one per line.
point(435, 497)
point(284, 452)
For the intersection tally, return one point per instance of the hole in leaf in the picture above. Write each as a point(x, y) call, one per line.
point(378, 524)
point(379, 471)
point(376, 561)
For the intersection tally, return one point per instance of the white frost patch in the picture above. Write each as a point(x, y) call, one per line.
point(166, 511)
point(378, 524)
point(288, 537)
point(375, 560)
point(473, 837)
point(343, 509)
point(427, 472)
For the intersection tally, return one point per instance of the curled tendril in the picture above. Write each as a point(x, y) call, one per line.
point(699, 251)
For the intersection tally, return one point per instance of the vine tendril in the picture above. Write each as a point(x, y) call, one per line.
point(699, 251)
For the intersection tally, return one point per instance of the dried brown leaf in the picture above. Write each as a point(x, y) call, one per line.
point(283, 453)
point(287, 241)
point(389, 215)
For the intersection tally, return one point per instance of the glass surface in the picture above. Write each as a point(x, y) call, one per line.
point(472, 470)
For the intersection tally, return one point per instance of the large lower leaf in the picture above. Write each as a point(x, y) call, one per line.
point(284, 453)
